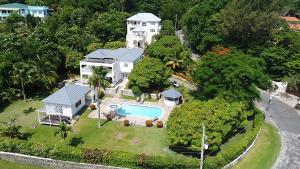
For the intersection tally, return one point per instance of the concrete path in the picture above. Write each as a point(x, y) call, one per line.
point(288, 121)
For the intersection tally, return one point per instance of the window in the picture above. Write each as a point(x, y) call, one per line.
point(78, 103)
point(152, 30)
point(131, 29)
point(144, 24)
point(125, 64)
point(152, 23)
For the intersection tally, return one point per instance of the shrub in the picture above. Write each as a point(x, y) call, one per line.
point(92, 106)
point(159, 124)
point(149, 123)
point(126, 123)
point(229, 153)
point(97, 156)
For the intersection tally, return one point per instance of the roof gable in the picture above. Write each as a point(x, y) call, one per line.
point(144, 17)
point(14, 5)
point(67, 95)
point(122, 54)
point(171, 93)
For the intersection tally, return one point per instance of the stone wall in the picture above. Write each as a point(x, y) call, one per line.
point(49, 163)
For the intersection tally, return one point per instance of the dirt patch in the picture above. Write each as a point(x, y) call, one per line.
point(120, 136)
point(135, 141)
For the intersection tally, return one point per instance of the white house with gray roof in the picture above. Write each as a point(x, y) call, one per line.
point(23, 10)
point(64, 103)
point(120, 62)
point(141, 29)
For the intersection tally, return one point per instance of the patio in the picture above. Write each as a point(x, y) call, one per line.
point(106, 102)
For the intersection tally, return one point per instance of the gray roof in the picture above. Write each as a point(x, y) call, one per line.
point(14, 5)
point(67, 95)
point(171, 93)
point(21, 6)
point(144, 17)
point(122, 54)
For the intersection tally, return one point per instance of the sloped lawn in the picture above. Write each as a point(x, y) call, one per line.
point(265, 151)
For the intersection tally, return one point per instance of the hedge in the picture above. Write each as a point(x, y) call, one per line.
point(97, 156)
point(226, 155)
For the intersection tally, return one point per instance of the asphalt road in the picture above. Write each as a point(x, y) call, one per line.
point(288, 122)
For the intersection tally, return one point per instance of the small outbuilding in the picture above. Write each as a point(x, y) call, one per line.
point(172, 97)
point(64, 104)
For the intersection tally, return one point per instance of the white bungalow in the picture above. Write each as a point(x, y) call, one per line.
point(64, 104)
point(172, 97)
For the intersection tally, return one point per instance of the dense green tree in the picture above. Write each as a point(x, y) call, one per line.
point(246, 23)
point(73, 59)
point(22, 74)
point(114, 45)
point(164, 48)
point(108, 26)
point(94, 46)
point(221, 120)
point(149, 75)
point(167, 28)
point(234, 77)
point(199, 25)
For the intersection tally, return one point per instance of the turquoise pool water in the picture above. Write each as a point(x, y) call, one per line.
point(141, 111)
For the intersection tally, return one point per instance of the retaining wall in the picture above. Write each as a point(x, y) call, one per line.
point(49, 163)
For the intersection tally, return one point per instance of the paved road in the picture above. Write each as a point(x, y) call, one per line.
point(180, 35)
point(288, 122)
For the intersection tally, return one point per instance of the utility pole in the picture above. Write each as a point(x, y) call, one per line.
point(202, 146)
point(176, 22)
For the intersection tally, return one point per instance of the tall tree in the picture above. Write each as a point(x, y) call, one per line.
point(247, 23)
point(98, 81)
point(22, 74)
point(234, 77)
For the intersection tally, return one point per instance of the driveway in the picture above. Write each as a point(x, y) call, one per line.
point(288, 122)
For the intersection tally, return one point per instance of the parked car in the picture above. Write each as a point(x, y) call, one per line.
point(174, 83)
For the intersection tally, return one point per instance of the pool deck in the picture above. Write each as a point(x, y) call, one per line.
point(106, 102)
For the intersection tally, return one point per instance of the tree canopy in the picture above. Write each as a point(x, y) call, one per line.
point(221, 119)
point(234, 77)
point(149, 75)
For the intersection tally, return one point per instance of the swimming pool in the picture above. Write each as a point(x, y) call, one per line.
point(140, 111)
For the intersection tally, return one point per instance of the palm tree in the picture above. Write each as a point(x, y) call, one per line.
point(63, 130)
point(174, 63)
point(22, 74)
point(45, 72)
point(97, 80)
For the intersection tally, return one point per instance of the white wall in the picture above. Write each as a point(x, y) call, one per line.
point(74, 110)
point(127, 69)
point(68, 111)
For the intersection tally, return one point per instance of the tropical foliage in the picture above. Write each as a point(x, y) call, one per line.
point(149, 75)
point(220, 118)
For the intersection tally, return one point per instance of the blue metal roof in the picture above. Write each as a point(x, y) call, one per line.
point(122, 54)
point(67, 95)
point(171, 93)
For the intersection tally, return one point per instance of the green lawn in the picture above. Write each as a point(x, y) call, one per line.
point(9, 165)
point(265, 151)
point(113, 135)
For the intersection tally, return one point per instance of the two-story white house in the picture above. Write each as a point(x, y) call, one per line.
point(141, 29)
point(120, 62)
point(23, 10)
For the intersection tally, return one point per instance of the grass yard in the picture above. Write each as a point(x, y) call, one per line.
point(23, 111)
point(112, 136)
point(9, 165)
point(265, 151)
